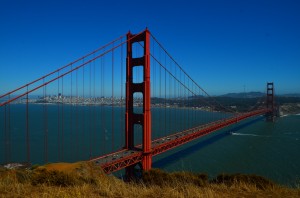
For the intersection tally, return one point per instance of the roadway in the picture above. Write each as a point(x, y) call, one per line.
point(123, 158)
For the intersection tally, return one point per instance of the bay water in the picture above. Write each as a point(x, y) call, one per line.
point(73, 133)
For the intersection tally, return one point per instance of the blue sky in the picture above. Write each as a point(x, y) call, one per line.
point(224, 45)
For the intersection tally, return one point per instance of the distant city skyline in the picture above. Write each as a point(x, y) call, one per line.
point(225, 46)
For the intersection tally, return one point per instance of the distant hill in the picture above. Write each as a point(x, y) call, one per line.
point(254, 94)
point(290, 95)
point(244, 95)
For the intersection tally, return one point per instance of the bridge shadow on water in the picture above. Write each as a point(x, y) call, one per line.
point(161, 163)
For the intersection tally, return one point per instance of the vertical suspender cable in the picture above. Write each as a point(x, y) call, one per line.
point(94, 105)
point(77, 117)
point(170, 99)
point(9, 133)
point(153, 85)
point(112, 100)
point(177, 108)
point(182, 103)
point(47, 130)
point(188, 106)
point(160, 94)
point(180, 97)
point(62, 116)
point(165, 110)
point(122, 126)
point(90, 111)
point(174, 102)
point(71, 119)
point(27, 129)
point(83, 111)
point(5, 136)
point(102, 106)
point(195, 106)
point(58, 119)
point(45, 122)
point(185, 109)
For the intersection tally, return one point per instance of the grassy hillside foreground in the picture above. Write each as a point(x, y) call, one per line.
point(83, 179)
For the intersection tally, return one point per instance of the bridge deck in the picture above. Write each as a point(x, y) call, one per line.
point(123, 158)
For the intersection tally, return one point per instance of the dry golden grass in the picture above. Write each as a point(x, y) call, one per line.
point(85, 180)
point(65, 167)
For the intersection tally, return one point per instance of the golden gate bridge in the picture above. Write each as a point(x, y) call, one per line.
point(117, 106)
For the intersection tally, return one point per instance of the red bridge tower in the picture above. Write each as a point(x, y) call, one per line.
point(132, 118)
point(270, 102)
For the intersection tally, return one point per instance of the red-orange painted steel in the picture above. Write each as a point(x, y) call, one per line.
point(209, 128)
point(147, 156)
point(136, 157)
point(122, 163)
point(132, 118)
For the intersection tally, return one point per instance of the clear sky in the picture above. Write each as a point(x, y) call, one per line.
point(224, 45)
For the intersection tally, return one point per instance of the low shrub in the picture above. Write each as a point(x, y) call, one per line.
point(161, 178)
point(53, 178)
point(231, 179)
